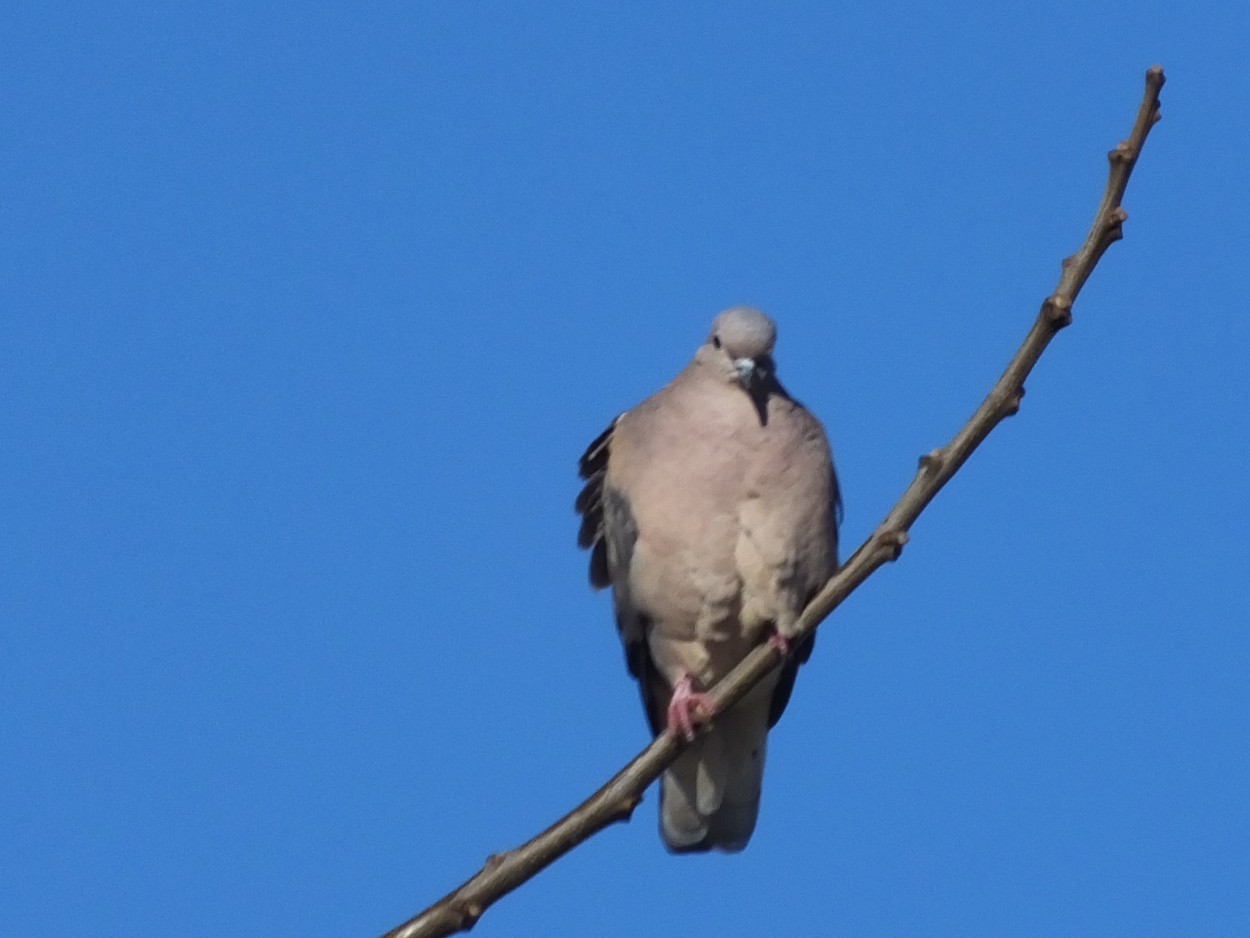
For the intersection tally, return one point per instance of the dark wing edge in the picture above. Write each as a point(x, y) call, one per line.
point(607, 522)
point(593, 467)
point(652, 687)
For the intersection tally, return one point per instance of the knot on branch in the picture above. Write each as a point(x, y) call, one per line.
point(1123, 153)
point(893, 540)
point(624, 809)
point(933, 460)
point(466, 915)
point(1011, 403)
point(494, 861)
point(1058, 309)
point(1114, 229)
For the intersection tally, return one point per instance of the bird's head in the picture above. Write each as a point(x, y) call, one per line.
point(740, 344)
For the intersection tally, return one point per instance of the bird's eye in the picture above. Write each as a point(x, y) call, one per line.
point(715, 341)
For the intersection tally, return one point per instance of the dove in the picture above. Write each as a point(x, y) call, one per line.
point(711, 510)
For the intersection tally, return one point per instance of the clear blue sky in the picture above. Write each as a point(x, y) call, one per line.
point(307, 310)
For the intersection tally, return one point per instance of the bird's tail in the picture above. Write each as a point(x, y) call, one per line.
point(710, 797)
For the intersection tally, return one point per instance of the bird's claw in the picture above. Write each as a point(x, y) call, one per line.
point(780, 643)
point(688, 707)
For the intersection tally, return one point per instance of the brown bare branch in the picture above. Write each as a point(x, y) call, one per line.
point(615, 801)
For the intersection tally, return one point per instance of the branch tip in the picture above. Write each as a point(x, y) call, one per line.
point(1155, 80)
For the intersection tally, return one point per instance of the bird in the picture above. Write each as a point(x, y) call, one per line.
point(711, 509)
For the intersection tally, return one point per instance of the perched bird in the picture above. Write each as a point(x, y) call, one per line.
point(711, 509)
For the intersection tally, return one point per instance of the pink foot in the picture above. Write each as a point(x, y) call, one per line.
point(780, 642)
point(686, 706)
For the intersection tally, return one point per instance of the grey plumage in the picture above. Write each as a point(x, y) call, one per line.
point(711, 510)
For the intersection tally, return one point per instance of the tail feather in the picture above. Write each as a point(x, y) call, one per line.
point(710, 797)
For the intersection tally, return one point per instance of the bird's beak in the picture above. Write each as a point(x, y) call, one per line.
point(745, 367)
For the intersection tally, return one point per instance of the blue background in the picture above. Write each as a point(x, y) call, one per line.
point(307, 310)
